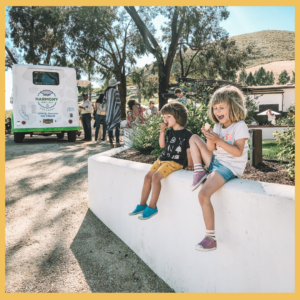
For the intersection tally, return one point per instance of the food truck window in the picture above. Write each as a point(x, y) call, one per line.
point(45, 78)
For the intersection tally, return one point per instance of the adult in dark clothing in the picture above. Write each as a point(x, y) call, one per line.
point(113, 113)
point(86, 117)
point(100, 118)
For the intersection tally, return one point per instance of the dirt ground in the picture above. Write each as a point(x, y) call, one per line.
point(267, 171)
point(54, 243)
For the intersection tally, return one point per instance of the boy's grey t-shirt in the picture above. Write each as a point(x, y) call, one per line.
point(177, 142)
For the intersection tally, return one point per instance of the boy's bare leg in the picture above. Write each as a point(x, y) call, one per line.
point(213, 183)
point(156, 187)
point(199, 151)
point(146, 188)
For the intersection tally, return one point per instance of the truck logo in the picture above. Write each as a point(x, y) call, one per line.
point(46, 99)
point(46, 93)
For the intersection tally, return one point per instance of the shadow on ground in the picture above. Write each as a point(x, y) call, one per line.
point(108, 264)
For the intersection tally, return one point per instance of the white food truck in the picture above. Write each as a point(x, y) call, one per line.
point(44, 102)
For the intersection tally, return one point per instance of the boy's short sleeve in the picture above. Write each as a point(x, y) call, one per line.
point(188, 136)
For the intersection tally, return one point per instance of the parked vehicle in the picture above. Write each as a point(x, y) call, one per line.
point(44, 102)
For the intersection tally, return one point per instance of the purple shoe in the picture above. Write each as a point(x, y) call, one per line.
point(198, 178)
point(207, 244)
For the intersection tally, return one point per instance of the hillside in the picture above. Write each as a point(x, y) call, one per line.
point(270, 46)
point(277, 67)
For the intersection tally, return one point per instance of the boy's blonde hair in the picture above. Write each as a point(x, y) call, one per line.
point(233, 97)
point(177, 110)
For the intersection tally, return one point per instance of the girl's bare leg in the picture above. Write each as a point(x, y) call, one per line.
point(199, 151)
point(214, 182)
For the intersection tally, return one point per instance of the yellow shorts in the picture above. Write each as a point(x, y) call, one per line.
point(165, 168)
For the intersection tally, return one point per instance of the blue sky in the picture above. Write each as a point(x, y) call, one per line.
point(242, 19)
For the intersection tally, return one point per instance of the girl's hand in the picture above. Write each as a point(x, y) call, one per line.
point(213, 137)
point(204, 131)
point(163, 126)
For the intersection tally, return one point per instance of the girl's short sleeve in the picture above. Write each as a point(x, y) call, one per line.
point(241, 131)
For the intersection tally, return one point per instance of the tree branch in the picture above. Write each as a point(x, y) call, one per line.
point(10, 55)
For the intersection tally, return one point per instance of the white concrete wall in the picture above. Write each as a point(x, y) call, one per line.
point(267, 132)
point(284, 104)
point(254, 228)
point(270, 99)
point(289, 98)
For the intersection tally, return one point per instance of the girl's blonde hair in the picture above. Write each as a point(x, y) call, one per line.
point(233, 97)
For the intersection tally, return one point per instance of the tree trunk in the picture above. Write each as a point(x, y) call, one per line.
point(139, 95)
point(123, 91)
point(163, 85)
point(90, 87)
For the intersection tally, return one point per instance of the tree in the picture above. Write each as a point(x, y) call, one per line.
point(283, 78)
point(293, 78)
point(107, 36)
point(243, 77)
point(261, 76)
point(270, 78)
point(12, 55)
point(250, 81)
point(40, 33)
point(180, 20)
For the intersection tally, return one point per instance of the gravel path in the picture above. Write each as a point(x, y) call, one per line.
point(54, 243)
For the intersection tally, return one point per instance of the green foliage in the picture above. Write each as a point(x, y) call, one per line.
point(260, 76)
point(250, 81)
point(270, 150)
point(286, 142)
point(242, 77)
point(146, 136)
point(252, 106)
point(283, 78)
point(293, 78)
point(8, 113)
point(287, 119)
point(39, 31)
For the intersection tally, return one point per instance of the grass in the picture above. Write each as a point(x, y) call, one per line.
point(270, 150)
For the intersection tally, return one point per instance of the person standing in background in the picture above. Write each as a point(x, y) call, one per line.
point(86, 112)
point(113, 111)
point(100, 119)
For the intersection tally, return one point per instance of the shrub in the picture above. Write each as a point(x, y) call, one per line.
point(145, 137)
point(287, 119)
point(286, 141)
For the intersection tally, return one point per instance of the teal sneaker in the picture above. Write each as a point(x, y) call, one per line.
point(148, 213)
point(139, 209)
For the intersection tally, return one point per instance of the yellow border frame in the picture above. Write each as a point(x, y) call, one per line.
point(2, 139)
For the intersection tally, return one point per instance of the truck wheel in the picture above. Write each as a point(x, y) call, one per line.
point(72, 136)
point(18, 137)
point(60, 135)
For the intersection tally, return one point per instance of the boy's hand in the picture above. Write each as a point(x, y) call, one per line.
point(190, 168)
point(163, 126)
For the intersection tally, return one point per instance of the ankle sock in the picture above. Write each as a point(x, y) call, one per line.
point(211, 234)
point(198, 168)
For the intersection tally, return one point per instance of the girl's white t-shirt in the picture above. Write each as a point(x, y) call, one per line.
point(235, 131)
